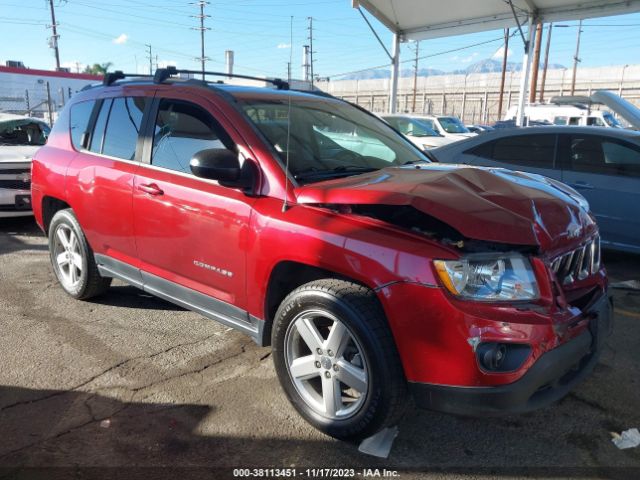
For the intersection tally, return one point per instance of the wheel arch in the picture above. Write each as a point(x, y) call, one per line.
point(286, 276)
point(51, 206)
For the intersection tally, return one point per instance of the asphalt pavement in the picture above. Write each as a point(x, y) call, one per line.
point(129, 380)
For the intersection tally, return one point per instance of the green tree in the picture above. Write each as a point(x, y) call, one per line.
point(98, 68)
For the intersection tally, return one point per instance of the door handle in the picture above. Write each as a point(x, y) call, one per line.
point(582, 186)
point(151, 189)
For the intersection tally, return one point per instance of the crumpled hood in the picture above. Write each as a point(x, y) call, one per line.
point(491, 204)
point(17, 153)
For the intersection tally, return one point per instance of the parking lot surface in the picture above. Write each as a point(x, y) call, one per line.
point(131, 380)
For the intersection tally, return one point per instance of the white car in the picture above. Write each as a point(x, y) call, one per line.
point(20, 138)
point(447, 126)
point(419, 132)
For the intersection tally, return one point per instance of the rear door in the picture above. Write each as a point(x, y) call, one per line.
point(191, 233)
point(100, 177)
point(534, 153)
point(606, 170)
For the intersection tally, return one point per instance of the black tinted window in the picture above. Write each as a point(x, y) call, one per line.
point(98, 129)
point(525, 150)
point(181, 130)
point(80, 115)
point(594, 154)
point(123, 127)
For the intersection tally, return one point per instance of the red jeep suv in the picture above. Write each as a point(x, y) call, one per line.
point(314, 227)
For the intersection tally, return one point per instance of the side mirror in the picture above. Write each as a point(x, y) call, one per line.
point(222, 165)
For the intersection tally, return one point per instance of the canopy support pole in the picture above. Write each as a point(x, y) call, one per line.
point(524, 75)
point(395, 63)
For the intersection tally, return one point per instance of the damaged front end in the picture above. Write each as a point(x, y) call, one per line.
point(519, 310)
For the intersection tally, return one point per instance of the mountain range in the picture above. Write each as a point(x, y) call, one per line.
point(489, 65)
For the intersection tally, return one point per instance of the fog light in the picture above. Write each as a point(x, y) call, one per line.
point(502, 357)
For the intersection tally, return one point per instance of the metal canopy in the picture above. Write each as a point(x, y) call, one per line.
point(425, 19)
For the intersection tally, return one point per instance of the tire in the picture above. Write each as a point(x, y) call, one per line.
point(362, 371)
point(72, 259)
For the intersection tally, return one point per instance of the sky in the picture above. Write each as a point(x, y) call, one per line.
point(259, 32)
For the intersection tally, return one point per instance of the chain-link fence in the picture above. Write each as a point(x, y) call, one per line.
point(475, 98)
point(42, 101)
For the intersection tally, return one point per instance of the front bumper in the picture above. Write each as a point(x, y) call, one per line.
point(550, 378)
point(15, 203)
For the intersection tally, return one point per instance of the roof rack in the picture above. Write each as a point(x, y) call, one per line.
point(111, 77)
point(163, 74)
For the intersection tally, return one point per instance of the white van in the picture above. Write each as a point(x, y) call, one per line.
point(566, 115)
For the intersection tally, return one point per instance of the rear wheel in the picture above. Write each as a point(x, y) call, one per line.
point(336, 359)
point(72, 258)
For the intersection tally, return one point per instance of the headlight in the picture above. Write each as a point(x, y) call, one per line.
point(503, 278)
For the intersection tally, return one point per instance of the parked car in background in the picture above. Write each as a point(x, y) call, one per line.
point(479, 128)
point(418, 131)
point(512, 123)
point(447, 126)
point(603, 164)
point(20, 137)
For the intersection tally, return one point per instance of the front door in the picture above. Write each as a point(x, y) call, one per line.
point(191, 233)
point(606, 171)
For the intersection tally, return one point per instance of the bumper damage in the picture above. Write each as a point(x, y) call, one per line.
point(549, 379)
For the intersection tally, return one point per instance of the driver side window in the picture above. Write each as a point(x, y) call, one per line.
point(181, 130)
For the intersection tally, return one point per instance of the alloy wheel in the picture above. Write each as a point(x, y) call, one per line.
point(326, 364)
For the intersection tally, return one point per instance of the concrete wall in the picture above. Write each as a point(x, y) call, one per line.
point(475, 97)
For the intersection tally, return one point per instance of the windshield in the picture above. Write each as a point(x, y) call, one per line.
point(329, 139)
point(452, 125)
point(23, 132)
point(611, 120)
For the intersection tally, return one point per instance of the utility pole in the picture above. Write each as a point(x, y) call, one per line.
point(305, 63)
point(415, 78)
point(546, 64)
point(201, 4)
point(576, 59)
point(536, 64)
point(311, 49)
point(54, 38)
point(504, 71)
point(149, 53)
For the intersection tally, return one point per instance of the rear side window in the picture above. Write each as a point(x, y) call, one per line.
point(594, 154)
point(98, 130)
point(181, 130)
point(535, 151)
point(117, 127)
point(79, 123)
point(123, 127)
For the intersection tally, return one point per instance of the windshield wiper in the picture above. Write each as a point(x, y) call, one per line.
point(341, 171)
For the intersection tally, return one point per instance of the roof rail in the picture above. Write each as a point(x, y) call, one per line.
point(163, 74)
point(111, 77)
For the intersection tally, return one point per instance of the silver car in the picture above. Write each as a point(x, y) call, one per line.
point(20, 138)
point(603, 164)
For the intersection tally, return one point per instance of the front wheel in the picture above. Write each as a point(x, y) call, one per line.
point(336, 359)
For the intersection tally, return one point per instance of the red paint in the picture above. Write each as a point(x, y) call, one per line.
point(196, 220)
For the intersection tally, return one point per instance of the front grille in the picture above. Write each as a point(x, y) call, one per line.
point(14, 171)
point(578, 264)
point(15, 184)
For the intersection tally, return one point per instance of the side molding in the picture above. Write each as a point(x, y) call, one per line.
point(188, 298)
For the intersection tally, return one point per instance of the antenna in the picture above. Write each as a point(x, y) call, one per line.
point(286, 164)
